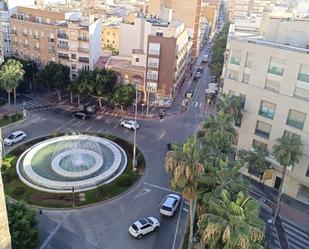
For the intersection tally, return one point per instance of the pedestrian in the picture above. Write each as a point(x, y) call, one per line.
point(40, 211)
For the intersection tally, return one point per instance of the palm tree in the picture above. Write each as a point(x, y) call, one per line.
point(231, 222)
point(287, 151)
point(185, 169)
point(10, 75)
point(229, 104)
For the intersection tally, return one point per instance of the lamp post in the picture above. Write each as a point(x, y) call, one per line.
point(32, 67)
point(135, 129)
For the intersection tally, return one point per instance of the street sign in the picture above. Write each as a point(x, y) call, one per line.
point(268, 174)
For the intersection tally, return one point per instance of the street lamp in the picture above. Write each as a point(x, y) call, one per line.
point(32, 67)
point(135, 129)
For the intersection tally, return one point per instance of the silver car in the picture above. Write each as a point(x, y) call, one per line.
point(15, 137)
point(170, 204)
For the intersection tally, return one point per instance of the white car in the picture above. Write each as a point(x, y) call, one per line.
point(130, 124)
point(143, 226)
point(15, 137)
point(170, 205)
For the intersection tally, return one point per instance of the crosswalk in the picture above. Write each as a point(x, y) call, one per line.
point(296, 236)
point(35, 105)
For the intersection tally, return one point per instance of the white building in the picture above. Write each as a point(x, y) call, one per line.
point(5, 37)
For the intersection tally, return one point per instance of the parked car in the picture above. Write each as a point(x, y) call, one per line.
point(162, 113)
point(197, 75)
point(81, 114)
point(170, 205)
point(199, 69)
point(130, 124)
point(144, 226)
point(15, 137)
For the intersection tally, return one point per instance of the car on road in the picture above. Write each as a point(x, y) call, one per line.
point(199, 69)
point(129, 124)
point(197, 75)
point(144, 226)
point(81, 114)
point(15, 137)
point(170, 205)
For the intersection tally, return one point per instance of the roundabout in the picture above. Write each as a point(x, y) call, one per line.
point(82, 162)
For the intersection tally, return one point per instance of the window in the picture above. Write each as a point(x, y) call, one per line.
point(152, 87)
point(272, 85)
point(236, 57)
point(301, 93)
point(246, 78)
point(249, 59)
point(267, 109)
point(289, 133)
point(232, 75)
point(48, 20)
point(73, 66)
point(259, 144)
point(153, 62)
point(154, 48)
point(159, 34)
point(296, 119)
point(242, 98)
point(136, 59)
point(276, 66)
point(303, 74)
point(262, 129)
point(152, 75)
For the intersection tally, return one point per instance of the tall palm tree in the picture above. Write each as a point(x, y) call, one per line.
point(287, 151)
point(229, 104)
point(231, 222)
point(184, 167)
point(10, 75)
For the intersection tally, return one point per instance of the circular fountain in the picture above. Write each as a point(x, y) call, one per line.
point(81, 162)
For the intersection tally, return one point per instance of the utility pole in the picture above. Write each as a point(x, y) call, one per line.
point(5, 237)
point(135, 129)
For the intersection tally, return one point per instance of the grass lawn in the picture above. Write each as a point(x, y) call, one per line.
point(16, 189)
point(14, 118)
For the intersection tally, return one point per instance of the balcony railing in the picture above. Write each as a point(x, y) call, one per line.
point(303, 77)
point(64, 57)
point(14, 32)
point(36, 37)
point(83, 50)
point(51, 39)
point(267, 113)
point(83, 59)
point(275, 70)
point(83, 38)
point(61, 46)
point(262, 133)
point(62, 35)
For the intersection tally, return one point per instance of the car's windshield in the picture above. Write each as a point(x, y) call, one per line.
point(166, 208)
point(135, 227)
point(11, 136)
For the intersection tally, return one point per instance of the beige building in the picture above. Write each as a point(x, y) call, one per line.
point(271, 75)
point(110, 37)
point(43, 36)
point(185, 11)
point(5, 36)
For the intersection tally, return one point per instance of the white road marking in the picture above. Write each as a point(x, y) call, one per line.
point(162, 135)
point(185, 209)
point(144, 191)
point(186, 202)
point(162, 188)
point(177, 226)
point(196, 104)
point(201, 105)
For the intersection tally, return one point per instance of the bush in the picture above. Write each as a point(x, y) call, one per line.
point(56, 134)
point(5, 117)
point(19, 191)
point(2, 101)
point(7, 176)
point(125, 180)
point(105, 190)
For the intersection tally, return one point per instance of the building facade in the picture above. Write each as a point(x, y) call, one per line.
point(110, 37)
point(5, 37)
point(271, 76)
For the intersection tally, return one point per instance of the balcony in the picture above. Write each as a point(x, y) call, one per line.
point(36, 37)
point(63, 56)
point(83, 50)
point(25, 34)
point(83, 38)
point(83, 59)
point(61, 46)
point(51, 40)
point(62, 36)
point(36, 48)
point(15, 43)
point(25, 45)
point(14, 32)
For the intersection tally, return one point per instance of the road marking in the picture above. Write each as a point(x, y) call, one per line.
point(162, 135)
point(144, 191)
point(53, 232)
point(162, 188)
point(186, 202)
point(185, 209)
point(196, 104)
point(201, 105)
point(177, 226)
point(272, 202)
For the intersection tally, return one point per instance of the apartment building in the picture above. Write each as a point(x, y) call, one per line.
point(188, 12)
point(43, 36)
point(270, 73)
point(110, 37)
point(5, 37)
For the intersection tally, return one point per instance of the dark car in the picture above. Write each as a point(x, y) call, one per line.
point(81, 114)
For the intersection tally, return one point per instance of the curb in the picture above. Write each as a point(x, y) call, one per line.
point(19, 121)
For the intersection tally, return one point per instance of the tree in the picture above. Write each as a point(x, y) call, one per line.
point(54, 76)
point(22, 223)
point(229, 104)
point(231, 222)
point(10, 75)
point(255, 160)
point(124, 95)
point(287, 151)
point(184, 168)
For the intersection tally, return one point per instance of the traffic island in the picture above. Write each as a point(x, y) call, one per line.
point(20, 189)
